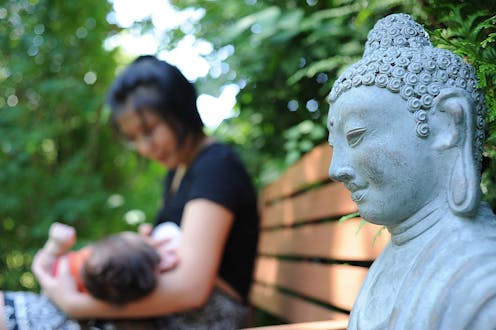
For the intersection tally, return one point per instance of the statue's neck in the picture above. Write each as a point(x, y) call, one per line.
point(418, 223)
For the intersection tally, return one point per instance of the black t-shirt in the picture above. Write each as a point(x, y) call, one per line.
point(218, 174)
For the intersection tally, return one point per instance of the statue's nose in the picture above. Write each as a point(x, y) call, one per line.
point(343, 174)
point(340, 170)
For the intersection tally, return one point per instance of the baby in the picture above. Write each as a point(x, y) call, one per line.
point(118, 268)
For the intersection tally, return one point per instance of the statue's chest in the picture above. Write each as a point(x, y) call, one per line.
point(374, 306)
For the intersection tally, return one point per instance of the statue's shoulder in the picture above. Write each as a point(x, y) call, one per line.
point(479, 232)
point(467, 298)
point(453, 282)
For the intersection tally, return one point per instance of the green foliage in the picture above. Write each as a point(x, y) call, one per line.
point(57, 153)
point(471, 33)
point(285, 56)
point(302, 137)
point(348, 217)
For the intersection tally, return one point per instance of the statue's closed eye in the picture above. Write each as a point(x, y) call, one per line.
point(355, 136)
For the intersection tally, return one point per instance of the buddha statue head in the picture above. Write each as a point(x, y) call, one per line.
point(406, 123)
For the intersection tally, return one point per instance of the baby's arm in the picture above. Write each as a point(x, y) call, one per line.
point(60, 239)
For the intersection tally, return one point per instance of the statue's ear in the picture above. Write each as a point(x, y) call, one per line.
point(452, 126)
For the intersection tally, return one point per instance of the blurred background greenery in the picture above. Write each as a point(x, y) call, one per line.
point(59, 159)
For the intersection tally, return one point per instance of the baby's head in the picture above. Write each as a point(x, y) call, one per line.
point(121, 268)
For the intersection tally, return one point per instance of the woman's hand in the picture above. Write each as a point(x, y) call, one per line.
point(166, 247)
point(42, 270)
point(62, 289)
point(63, 292)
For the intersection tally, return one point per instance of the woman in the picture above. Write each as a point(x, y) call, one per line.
point(207, 191)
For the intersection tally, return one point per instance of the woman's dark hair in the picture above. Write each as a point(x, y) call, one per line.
point(153, 84)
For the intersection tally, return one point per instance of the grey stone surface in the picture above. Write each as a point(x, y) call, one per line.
point(407, 124)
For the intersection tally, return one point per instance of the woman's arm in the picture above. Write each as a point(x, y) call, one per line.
point(205, 227)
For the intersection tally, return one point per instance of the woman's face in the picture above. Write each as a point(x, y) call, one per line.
point(151, 136)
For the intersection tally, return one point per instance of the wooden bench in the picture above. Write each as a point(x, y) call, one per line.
point(310, 266)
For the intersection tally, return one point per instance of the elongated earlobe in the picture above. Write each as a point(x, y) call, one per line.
point(463, 188)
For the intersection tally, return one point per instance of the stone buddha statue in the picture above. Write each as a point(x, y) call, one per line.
point(406, 123)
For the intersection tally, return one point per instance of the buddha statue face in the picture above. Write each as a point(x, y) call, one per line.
point(377, 154)
point(407, 124)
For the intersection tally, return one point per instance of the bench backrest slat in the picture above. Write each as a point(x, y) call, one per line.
point(289, 307)
point(344, 241)
point(312, 167)
point(330, 200)
point(313, 280)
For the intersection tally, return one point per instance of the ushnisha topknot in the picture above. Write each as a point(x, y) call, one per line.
point(399, 56)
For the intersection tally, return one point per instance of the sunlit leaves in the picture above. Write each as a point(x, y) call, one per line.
point(56, 147)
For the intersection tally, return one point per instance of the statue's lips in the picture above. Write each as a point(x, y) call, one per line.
point(358, 196)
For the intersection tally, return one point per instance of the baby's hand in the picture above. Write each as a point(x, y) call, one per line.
point(145, 229)
point(62, 233)
point(63, 236)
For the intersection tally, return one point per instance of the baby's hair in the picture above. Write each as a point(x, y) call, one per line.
point(121, 268)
